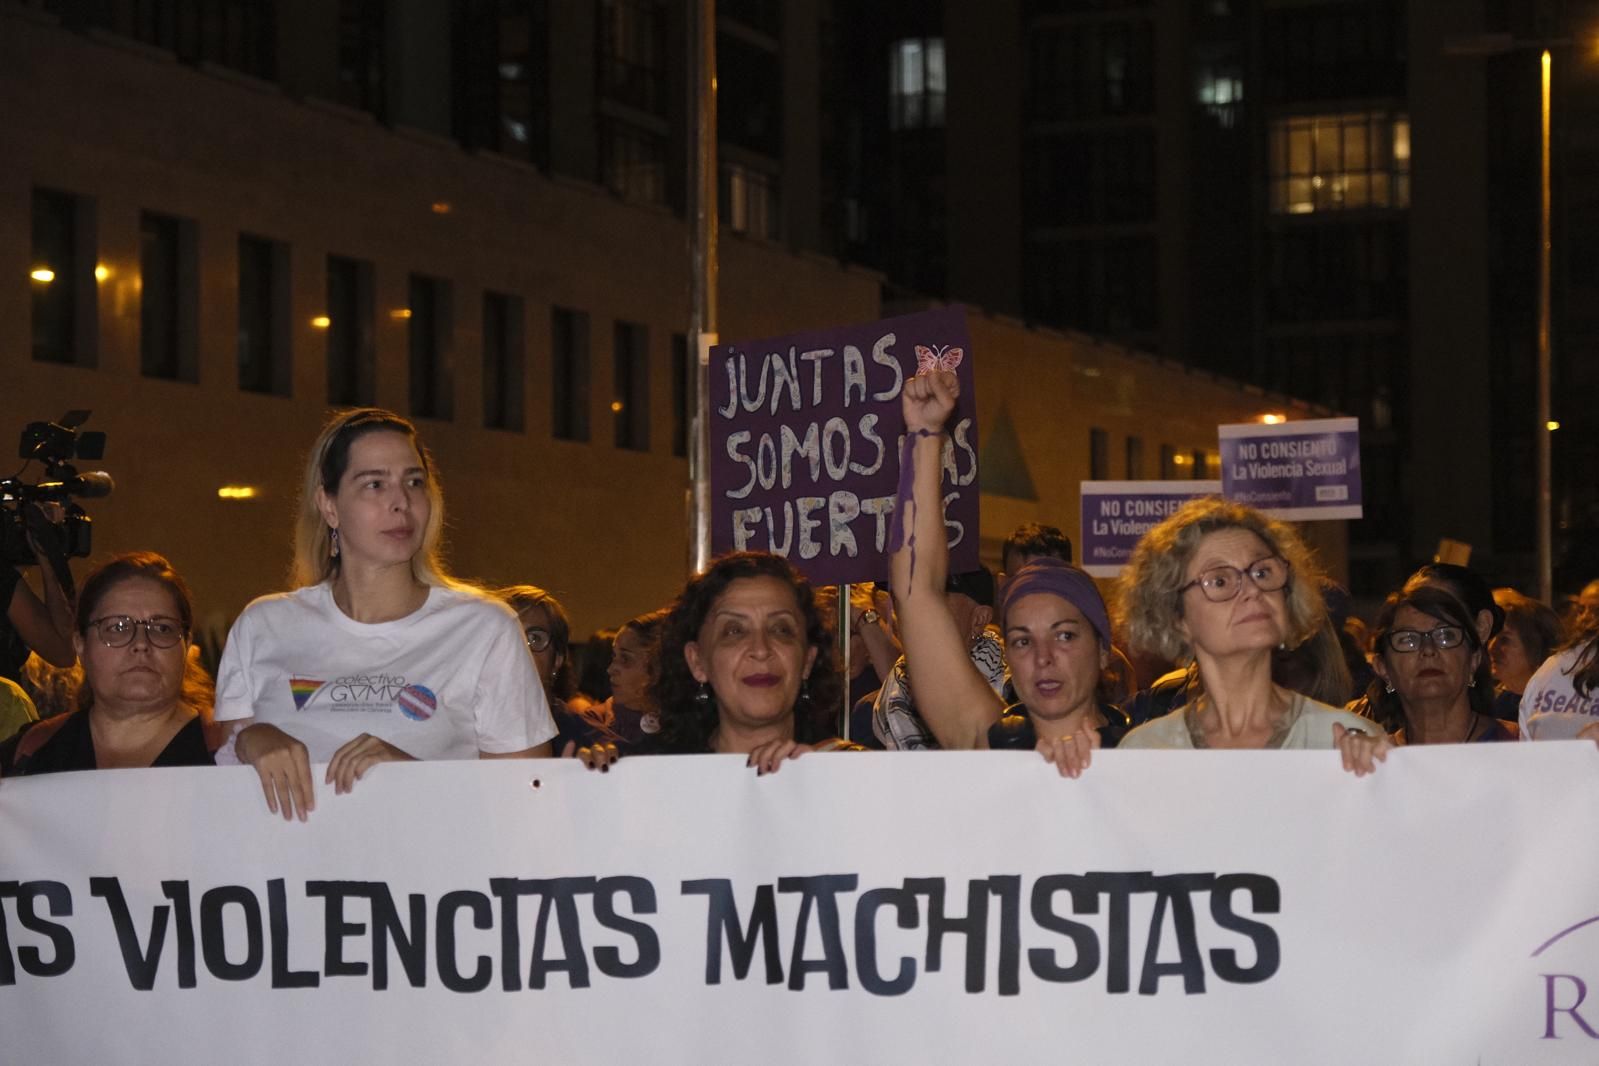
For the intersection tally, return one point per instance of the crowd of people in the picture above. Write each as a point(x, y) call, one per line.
point(1223, 634)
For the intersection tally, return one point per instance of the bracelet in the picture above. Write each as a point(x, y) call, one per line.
point(228, 753)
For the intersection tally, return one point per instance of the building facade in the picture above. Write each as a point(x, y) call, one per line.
point(210, 254)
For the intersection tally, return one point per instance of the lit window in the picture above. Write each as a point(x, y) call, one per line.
point(1220, 93)
point(1340, 162)
point(749, 201)
point(916, 84)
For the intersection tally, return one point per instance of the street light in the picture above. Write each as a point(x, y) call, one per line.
point(1492, 44)
point(703, 264)
point(1546, 582)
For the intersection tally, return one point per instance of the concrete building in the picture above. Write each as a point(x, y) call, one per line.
point(210, 258)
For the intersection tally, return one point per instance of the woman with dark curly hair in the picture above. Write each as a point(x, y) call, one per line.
point(747, 665)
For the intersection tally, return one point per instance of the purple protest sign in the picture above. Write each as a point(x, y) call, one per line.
point(1294, 470)
point(1116, 515)
point(805, 444)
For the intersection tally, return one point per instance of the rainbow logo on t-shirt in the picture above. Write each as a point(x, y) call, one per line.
point(303, 688)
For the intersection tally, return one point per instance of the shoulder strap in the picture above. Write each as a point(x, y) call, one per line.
point(40, 735)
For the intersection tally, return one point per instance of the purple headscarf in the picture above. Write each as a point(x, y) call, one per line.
point(1058, 579)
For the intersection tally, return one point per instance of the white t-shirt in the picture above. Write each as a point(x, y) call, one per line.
point(447, 681)
point(1551, 709)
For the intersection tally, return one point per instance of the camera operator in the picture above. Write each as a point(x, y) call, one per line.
point(26, 622)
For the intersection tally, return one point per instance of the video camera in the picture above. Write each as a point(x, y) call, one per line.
point(54, 444)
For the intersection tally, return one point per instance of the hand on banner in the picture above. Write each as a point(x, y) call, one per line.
point(1589, 732)
point(1361, 751)
point(283, 766)
point(351, 762)
point(1071, 753)
point(768, 758)
point(596, 757)
point(928, 400)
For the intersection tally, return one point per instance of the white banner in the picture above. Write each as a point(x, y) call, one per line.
point(1217, 907)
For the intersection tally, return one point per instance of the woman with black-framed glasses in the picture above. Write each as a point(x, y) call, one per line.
point(1224, 586)
point(142, 702)
point(1432, 685)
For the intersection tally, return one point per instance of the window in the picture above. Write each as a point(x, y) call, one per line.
point(633, 161)
point(1168, 462)
point(239, 34)
point(1091, 177)
point(502, 79)
point(62, 279)
point(630, 397)
point(352, 363)
point(430, 331)
point(1333, 51)
point(1098, 454)
point(749, 95)
point(748, 201)
point(1220, 93)
point(1101, 286)
point(263, 343)
point(684, 387)
point(362, 65)
point(1356, 270)
point(1091, 69)
point(1135, 458)
point(763, 15)
point(632, 44)
point(1340, 162)
point(502, 361)
point(916, 84)
point(569, 378)
point(168, 300)
point(1199, 466)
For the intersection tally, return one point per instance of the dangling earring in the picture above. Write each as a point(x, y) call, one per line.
point(1390, 688)
point(1473, 682)
point(333, 543)
point(805, 691)
point(703, 696)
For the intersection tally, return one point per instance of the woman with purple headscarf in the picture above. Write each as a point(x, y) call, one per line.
point(1056, 628)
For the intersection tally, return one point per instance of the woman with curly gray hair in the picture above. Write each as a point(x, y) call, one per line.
point(1223, 585)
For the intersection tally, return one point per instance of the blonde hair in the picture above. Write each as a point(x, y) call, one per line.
point(314, 561)
point(1150, 597)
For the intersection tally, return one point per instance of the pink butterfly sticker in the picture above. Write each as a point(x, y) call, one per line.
point(927, 360)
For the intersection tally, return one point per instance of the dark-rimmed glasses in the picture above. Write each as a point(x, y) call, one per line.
point(1222, 583)
point(118, 630)
point(1406, 641)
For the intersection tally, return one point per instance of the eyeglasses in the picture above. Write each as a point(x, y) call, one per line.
point(537, 639)
point(118, 630)
point(1443, 638)
point(1223, 583)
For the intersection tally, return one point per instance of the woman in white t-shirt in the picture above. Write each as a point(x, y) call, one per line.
point(377, 655)
point(1561, 700)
